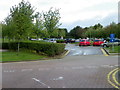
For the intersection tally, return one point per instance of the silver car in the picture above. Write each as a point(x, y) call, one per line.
point(108, 44)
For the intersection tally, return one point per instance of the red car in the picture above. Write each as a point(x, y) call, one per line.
point(97, 42)
point(84, 42)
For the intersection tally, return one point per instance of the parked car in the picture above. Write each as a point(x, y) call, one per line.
point(84, 42)
point(97, 42)
point(69, 40)
point(108, 44)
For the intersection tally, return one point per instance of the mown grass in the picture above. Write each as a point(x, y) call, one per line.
point(20, 56)
point(115, 49)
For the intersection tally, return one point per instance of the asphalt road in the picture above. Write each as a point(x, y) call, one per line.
point(83, 50)
point(73, 71)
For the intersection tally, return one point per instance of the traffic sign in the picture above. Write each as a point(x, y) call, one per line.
point(112, 37)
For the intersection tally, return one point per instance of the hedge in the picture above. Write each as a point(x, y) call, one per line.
point(51, 49)
point(60, 41)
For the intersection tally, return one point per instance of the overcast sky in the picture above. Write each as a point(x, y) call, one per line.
point(73, 12)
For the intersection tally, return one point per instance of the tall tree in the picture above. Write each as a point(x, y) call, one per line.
point(51, 21)
point(77, 32)
point(39, 26)
point(22, 17)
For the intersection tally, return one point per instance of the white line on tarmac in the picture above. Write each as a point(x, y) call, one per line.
point(91, 66)
point(41, 69)
point(59, 78)
point(9, 71)
point(77, 67)
point(107, 66)
point(26, 70)
point(41, 82)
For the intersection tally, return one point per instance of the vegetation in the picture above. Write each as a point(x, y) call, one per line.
point(115, 49)
point(60, 41)
point(23, 23)
point(20, 56)
point(96, 31)
point(50, 49)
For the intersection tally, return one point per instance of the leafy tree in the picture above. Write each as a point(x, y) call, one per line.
point(62, 32)
point(22, 17)
point(51, 21)
point(39, 26)
point(96, 26)
point(7, 28)
point(77, 32)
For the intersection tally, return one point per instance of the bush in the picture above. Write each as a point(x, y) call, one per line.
point(51, 49)
point(60, 41)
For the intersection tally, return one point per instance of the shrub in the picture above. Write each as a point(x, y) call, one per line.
point(51, 49)
point(60, 41)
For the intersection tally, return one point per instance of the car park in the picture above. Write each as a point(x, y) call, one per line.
point(108, 44)
point(97, 42)
point(84, 42)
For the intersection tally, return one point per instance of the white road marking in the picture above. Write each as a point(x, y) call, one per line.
point(41, 69)
point(59, 78)
point(26, 70)
point(91, 66)
point(72, 49)
point(58, 68)
point(77, 67)
point(76, 53)
point(41, 82)
point(116, 65)
point(63, 87)
point(84, 53)
point(9, 71)
point(107, 66)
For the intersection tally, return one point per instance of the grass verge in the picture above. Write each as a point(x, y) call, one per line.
point(10, 56)
point(115, 49)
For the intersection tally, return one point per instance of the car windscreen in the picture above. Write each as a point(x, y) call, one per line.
point(82, 40)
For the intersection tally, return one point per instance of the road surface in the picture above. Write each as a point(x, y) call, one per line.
point(72, 71)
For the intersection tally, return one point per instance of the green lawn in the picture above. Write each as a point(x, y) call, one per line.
point(21, 56)
point(115, 49)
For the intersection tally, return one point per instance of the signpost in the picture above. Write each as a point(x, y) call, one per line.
point(112, 39)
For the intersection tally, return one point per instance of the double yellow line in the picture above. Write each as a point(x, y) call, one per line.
point(104, 52)
point(111, 77)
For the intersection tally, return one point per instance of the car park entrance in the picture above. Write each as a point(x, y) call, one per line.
point(83, 50)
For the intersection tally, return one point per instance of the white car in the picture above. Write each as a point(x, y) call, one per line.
point(108, 44)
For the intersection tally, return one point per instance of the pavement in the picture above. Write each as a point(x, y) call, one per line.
point(79, 69)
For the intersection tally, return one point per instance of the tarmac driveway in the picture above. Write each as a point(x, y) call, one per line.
point(83, 50)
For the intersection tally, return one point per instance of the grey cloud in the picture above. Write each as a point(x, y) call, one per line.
point(90, 22)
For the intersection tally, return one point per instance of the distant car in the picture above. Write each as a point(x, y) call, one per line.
point(97, 42)
point(52, 40)
point(84, 42)
point(108, 44)
point(69, 40)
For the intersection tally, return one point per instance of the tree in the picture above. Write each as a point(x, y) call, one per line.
point(62, 32)
point(39, 26)
point(7, 28)
point(96, 26)
point(77, 32)
point(22, 17)
point(51, 21)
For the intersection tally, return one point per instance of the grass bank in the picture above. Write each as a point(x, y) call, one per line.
point(115, 49)
point(20, 56)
